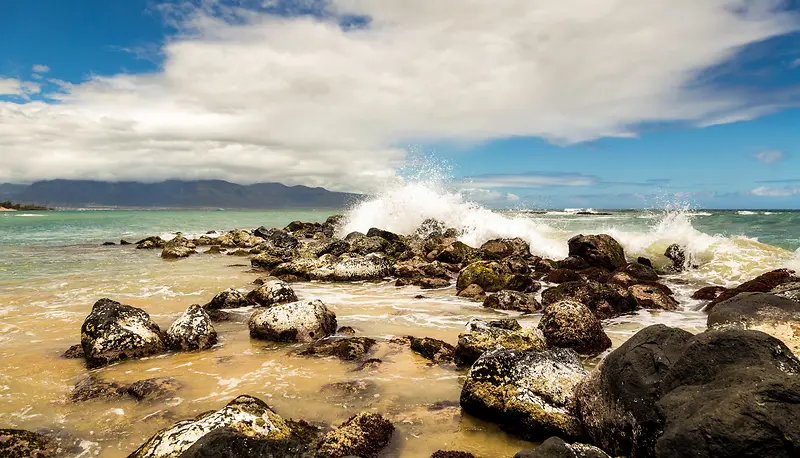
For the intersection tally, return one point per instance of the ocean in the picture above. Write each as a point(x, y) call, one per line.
point(53, 268)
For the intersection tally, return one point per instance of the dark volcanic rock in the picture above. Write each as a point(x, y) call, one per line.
point(114, 332)
point(557, 448)
point(347, 349)
point(570, 324)
point(230, 443)
point(789, 290)
point(473, 292)
point(502, 248)
point(191, 331)
point(303, 321)
point(605, 301)
point(639, 271)
point(386, 235)
point(433, 349)
point(457, 253)
point(676, 254)
point(598, 250)
point(74, 352)
point(150, 243)
point(363, 435)
point(762, 284)
point(562, 276)
point(526, 393)
point(774, 315)
point(512, 300)
point(18, 443)
point(573, 263)
point(708, 293)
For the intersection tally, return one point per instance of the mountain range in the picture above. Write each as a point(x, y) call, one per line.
point(173, 194)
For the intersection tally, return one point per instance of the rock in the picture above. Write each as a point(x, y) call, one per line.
point(273, 292)
point(205, 240)
point(731, 394)
point(371, 363)
point(115, 332)
point(473, 292)
point(386, 235)
point(570, 324)
point(598, 250)
point(522, 283)
point(605, 301)
point(708, 293)
point(622, 279)
point(363, 435)
point(562, 276)
point(617, 402)
point(302, 321)
point(676, 254)
point(124, 242)
point(527, 393)
point(374, 266)
point(191, 331)
point(238, 238)
point(596, 274)
point(451, 454)
point(277, 238)
point(433, 349)
point(241, 252)
point(516, 265)
point(433, 283)
point(438, 269)
point(512, 300)
point(652, 297)
point(346, 331)
point(93, 388)
point(228, 299)
point(18, 443)
point(789, 290)
point(246, 415)
point(214, 250)
point(335, 247)
point(502, 248)
point(351, 388)
point(109, 244)
point(178, 247)
point(154, 389)
point(762, 284)
point(482, 336)
point(457, 253)
point(346, 349)
point(774, 315)
point(74, 352)
point(639, 271)
point(573, 263)
point(230, 443)
point(365, 245)
point(150, 243)
point(556, 448)
point(486, 274)
point(265, 261)
point(645, 261)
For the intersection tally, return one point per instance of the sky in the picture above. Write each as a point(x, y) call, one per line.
point(553, 103)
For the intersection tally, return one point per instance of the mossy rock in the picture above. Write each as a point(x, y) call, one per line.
point(364, 435)
point(346, 349)
point(18, 443)
point(489, 275)
point(435, 350)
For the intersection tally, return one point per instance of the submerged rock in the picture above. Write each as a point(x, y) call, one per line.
point(363, 435)
point(191, 331)
point(451, 454)
point(18, 443)
point(271, 293)
point(346, 349)
point(93, 388)
point(114, 332)
point(527, 393)
point(228, 299)
point(178, 247)
point(570, 324)
point(556, 448)
point(598, 250)
point(154, 389)
point(605, 301)
point(433, 349)
point(302, 321)
point(74, 352)
point(482, 336)
point(512, 300)
point(774, 315)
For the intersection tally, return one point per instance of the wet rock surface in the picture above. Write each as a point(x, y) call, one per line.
point(228, 299)
point(191, 331)
point(775, 315)
point(271, 293)
point(178, 247)
point(605, 300)
point(482, 336)
point(598, 250)
point(346, 349)
point(512, 300)
point(303, 321)
point(435, 350)
point(762, 284)
point(363, 435)
point(18, 443)
point(652, 297)
point(557, 448)
point(570, 324)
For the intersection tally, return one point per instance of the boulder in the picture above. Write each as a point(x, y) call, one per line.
point(617, 402)
point(302, 321)
point(676, 254)
point(489, 275)
point(366, 245)
point(374, 266)
point(433, 349)
point(502, 248)
point(512, 300)
point(336, 247)
point(622, 279)
point(473, 292)
point(91, 388)
point(346, 349)
point(640, 272)
point(432, 283)
point(570, 324)
point(789, 290)
point(562, 276)
point(555, 447)
point(246, 415)
point(596, 274)
point(154, 389)
point(522, 283)
point(764, 283)
point(271, 293)
point(527, 393)
point(457, 253)
point(124, 242)
point(482, 336)
point(230, 443)
point(115, 332)
point(386, 235)
point(363, 435)
point(18, 443)
point(74, 352)
point(573, 263)
point(452, 454)
point(178, 247)
point(266, 261)
point(191, 331)
point(228, 299)
point(516, 264)
point(150, 243)
point(775, 315)
point(605, 301)
point(708, 293)
point(598, 250)
point(238, 238)
point(652, 297)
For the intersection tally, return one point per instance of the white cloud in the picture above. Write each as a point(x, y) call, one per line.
point(488, 196)
point(38, 68)
point(770, 157)
point(531, 180)
point(11, 86)
point(796, 63)
point(300, 100)
point(764, 191)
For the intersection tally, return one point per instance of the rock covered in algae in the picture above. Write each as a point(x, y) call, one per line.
point(303, 321)
point(191, 331)
point(570, 324)
point(272, 293)
point(363, 435)
point(482, 336)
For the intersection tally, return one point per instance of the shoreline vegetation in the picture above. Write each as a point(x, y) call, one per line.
point(530, 381)
point(11, 206)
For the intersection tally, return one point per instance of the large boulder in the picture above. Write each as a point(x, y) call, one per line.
point(457, 253)
point(374, 266)
point(764, 283)
point(512, 300)
point(555, 447)
point(272, 293)
point(363, 435)
point(366, 245)
point(435, 350)
point(598, 250)
point(570, 324)
point(303, 321)
point(502, 248)
point(115, 332)
point(18, 443)
point(775, 315)
point(228, 299)
point(617, 402)
point(527, 393)
point(238, 238)
point(489, 275)
point(246, 415)
point(230, 443)
point(641, 272)
point(652, 297)
point(278, 238)
point(605, 300)
point(178, 247)
point(482, 336)
point(191, 331)
point(150, 243)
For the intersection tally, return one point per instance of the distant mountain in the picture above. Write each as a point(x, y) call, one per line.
point(10, 191)
point(176, 194)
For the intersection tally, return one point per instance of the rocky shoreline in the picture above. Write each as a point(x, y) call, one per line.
point(733, 390)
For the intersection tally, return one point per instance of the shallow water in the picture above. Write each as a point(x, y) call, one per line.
point(52, 271)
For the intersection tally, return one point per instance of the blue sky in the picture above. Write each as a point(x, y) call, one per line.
point(598, 105)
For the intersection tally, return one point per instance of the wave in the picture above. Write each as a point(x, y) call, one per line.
point(29, 214)
point(721, 260)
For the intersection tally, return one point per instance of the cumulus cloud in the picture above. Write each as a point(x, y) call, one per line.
point(253, 96)
point(489, 197)
point(38, 68)
point(770, 157)
point(11, 86)
point(786, 191)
